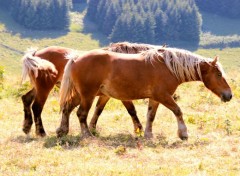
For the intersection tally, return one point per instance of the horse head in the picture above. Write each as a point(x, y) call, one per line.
point(214, 78)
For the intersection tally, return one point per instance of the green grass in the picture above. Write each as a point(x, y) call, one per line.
point(214, 127)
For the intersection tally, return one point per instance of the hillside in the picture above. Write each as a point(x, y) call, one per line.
point(213, 147)
point(14, 40)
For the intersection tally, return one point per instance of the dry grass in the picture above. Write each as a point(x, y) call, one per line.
point(212, 148)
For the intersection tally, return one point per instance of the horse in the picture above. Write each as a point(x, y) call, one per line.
point(45, 68)
point(153, 74)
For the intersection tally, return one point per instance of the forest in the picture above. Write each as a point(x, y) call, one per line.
point(155, 21)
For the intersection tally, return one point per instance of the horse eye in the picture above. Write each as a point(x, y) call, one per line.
point(219, 74)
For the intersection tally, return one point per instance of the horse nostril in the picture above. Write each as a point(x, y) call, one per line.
point(230, 97)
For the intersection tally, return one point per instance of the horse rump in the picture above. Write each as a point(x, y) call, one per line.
point(33, 65)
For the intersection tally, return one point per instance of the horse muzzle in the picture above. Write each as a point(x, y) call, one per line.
point(226, 96)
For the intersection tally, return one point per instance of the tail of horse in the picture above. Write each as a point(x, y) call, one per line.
point(33, 64)
point(67, 89)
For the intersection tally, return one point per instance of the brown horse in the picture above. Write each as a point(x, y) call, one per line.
point(45, 68)
point(153, 74)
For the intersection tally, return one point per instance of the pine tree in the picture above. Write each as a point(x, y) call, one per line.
point(92, 9)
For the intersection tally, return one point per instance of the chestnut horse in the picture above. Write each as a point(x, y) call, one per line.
point(45, 68)
point(153, 74)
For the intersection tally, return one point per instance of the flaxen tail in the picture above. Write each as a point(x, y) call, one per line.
point(32, 65)
point(67, 89)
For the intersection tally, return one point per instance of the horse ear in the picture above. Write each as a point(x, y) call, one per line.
point(164, 45)
point(215, 61)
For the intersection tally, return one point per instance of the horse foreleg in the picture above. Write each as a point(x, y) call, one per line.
point(27, 100)
point(152, 109)
point(169, 102)
point(133, 113)
point(66, 111)
point(82, 114)
point(102, 101)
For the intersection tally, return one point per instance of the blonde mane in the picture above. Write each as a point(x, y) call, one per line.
point(184, 64)
point(131, 48)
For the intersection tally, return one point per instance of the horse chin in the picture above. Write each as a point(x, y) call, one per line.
point(223, 100)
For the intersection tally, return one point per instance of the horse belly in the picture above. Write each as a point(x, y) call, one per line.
point(122, 92)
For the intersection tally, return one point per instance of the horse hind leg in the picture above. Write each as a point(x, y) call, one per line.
point(66, 111)
point(133, 113)
point(102, 101)
point(27, 100)
point(37, 108)
point(152, 109)
point(82, 114)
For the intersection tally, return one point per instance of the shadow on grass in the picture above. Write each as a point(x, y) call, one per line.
point(66, 142)
point(114, 141)
point(24, 139)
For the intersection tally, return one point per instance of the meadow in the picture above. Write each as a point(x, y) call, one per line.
point(213, 147)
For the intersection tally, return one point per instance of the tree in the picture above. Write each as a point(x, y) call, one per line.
point(92, 9)
point(147, 21)
point(5, 4)
point(41, 15)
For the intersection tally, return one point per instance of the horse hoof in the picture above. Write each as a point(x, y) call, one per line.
point(87, 134)
point(148, 135)
point(92, 126)
point(60, 132)
point(26, 130)
point(182, 134)
point(41, 134)
point(184, 138)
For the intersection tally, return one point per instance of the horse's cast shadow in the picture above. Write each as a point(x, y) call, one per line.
point(116, 140)
point(24, 139)
point(112, 141)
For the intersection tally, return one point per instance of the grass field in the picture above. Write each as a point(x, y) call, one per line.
point(213, 147)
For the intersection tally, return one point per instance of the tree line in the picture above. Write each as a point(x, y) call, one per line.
point(152, 21)
point(39, 14)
